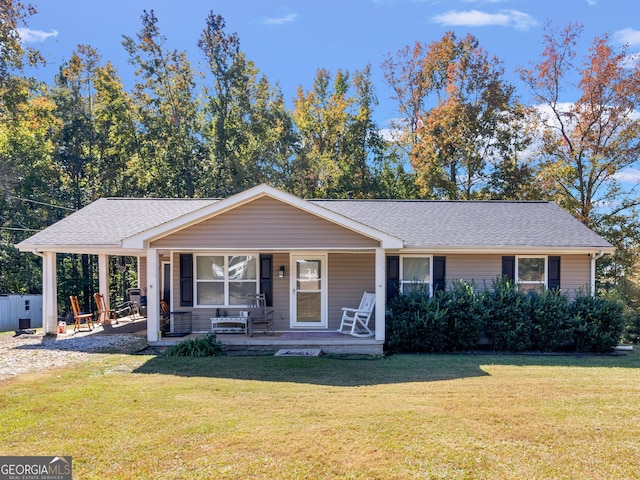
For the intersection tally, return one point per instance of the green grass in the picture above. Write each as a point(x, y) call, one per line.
point(403, 417)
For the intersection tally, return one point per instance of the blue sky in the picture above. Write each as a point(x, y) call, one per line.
point(289, 40)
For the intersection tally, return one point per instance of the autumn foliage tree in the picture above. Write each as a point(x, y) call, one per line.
point(461, 116)
point(28, 176)
point(586, 142)
point(341, 150)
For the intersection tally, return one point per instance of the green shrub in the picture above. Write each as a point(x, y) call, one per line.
point(465, 322)
point(513, 321)
point(551, 326)
point(632, 327)
point(449, 321)
point(412, 326)
point(416, 323)
point(506, 315)
point(197, 347)
point(598, 323)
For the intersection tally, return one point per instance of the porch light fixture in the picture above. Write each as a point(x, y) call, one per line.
point(281, 271)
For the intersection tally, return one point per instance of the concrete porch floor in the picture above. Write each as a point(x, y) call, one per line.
point(328, 341)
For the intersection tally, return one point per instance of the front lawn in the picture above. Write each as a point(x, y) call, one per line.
point(407, 416)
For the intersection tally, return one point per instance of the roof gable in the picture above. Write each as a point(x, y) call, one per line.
point(143, 239)
point(265, 223)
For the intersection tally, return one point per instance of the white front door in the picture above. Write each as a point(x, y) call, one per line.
point(309, 286)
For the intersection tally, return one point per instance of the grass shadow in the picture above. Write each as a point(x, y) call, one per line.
point(344, 371)
point(348, 371)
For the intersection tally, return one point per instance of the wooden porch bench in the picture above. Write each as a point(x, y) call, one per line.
point(224, 324)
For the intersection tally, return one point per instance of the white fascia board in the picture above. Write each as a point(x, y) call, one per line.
point(508, 250)
point(81, 250)
point(142, 240)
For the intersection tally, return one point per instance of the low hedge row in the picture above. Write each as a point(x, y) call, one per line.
point(461, 317)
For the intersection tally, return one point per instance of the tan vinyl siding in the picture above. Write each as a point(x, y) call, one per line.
point(142, 275)
point(263, 224)
point(281, 297)
point(479, 269)
point(175, 282)
point(575, 271)
point(575, 274)
point(350, 275)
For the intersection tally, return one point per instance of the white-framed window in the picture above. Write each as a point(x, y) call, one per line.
point(225, 279)
point(416, 271)
point(531, 272)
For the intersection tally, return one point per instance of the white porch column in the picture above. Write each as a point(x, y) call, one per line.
point(380, 294)
point(153, 295)
point(49, 293)
point(103, 277)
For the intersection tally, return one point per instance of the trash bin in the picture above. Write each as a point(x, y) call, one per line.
point(143, 305)
point(134, 295)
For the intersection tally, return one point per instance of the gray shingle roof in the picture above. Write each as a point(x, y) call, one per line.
point(418, 223)
point(107, 221)
point(468, 224)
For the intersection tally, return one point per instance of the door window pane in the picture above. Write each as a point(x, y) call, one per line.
point(308, 307)
point(308, 274)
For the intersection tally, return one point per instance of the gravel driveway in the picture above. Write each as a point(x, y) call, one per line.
point(32, 353)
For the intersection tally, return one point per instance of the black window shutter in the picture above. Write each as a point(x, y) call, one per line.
point(186, 280)
point(393, 277)
point(266, 278)
point(553, 272)
point(439, 273)
point(509, 267)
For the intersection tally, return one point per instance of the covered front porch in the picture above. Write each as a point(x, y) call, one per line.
point(327, 342)
point(200, 260)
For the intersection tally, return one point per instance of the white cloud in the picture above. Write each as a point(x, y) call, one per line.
point(477, 18)
point(630, 175)
point(592, 3)
point(33, 36)
point(632, 61)
point(280, 20)
point(627, 35)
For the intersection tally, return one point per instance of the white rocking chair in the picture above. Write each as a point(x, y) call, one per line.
point(356, 320)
